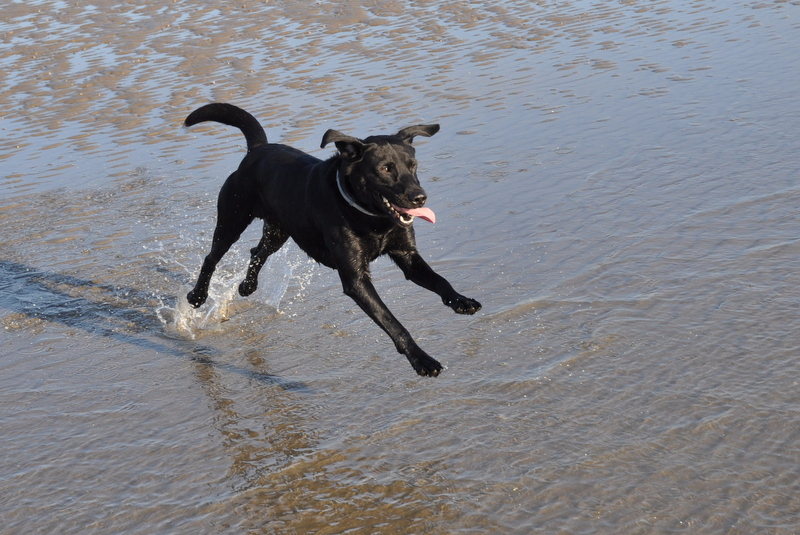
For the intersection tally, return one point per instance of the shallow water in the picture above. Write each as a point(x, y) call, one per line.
point(616, 182)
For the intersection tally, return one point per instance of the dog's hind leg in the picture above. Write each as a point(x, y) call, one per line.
point(232, 220)
point(273, 239)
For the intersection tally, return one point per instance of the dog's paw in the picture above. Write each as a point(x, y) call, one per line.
point(196, 298)
point(424, 364)
point(247, 287)
point(463, 305)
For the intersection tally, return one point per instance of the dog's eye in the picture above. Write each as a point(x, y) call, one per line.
point(386, 168)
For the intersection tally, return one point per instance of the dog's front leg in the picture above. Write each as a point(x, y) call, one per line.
point(419, 272)
point(357, 284)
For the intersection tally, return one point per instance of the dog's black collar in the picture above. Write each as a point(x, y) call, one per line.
point(349, 199)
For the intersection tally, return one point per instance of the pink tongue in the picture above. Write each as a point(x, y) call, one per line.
point(423, 213)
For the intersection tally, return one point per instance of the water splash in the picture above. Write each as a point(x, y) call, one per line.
point(287, 267)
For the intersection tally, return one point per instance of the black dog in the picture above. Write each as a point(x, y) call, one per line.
point(344, 212)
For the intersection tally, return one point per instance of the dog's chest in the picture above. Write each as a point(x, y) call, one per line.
point(347, 247)
point(375, 244)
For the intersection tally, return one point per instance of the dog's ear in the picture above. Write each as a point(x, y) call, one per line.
point(408, 134)
point(350, 147)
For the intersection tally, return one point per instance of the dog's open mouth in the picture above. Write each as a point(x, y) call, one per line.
point(406, 215)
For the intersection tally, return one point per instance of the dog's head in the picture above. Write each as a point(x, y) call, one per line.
point(381, 172)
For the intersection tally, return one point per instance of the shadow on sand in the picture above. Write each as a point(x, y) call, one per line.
point(124, 314)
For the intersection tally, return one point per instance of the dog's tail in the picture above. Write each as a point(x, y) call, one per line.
point(232, 116)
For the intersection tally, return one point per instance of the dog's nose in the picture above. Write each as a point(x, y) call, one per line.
point(420, 199)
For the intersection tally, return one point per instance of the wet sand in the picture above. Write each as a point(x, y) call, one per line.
point(617, 183)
